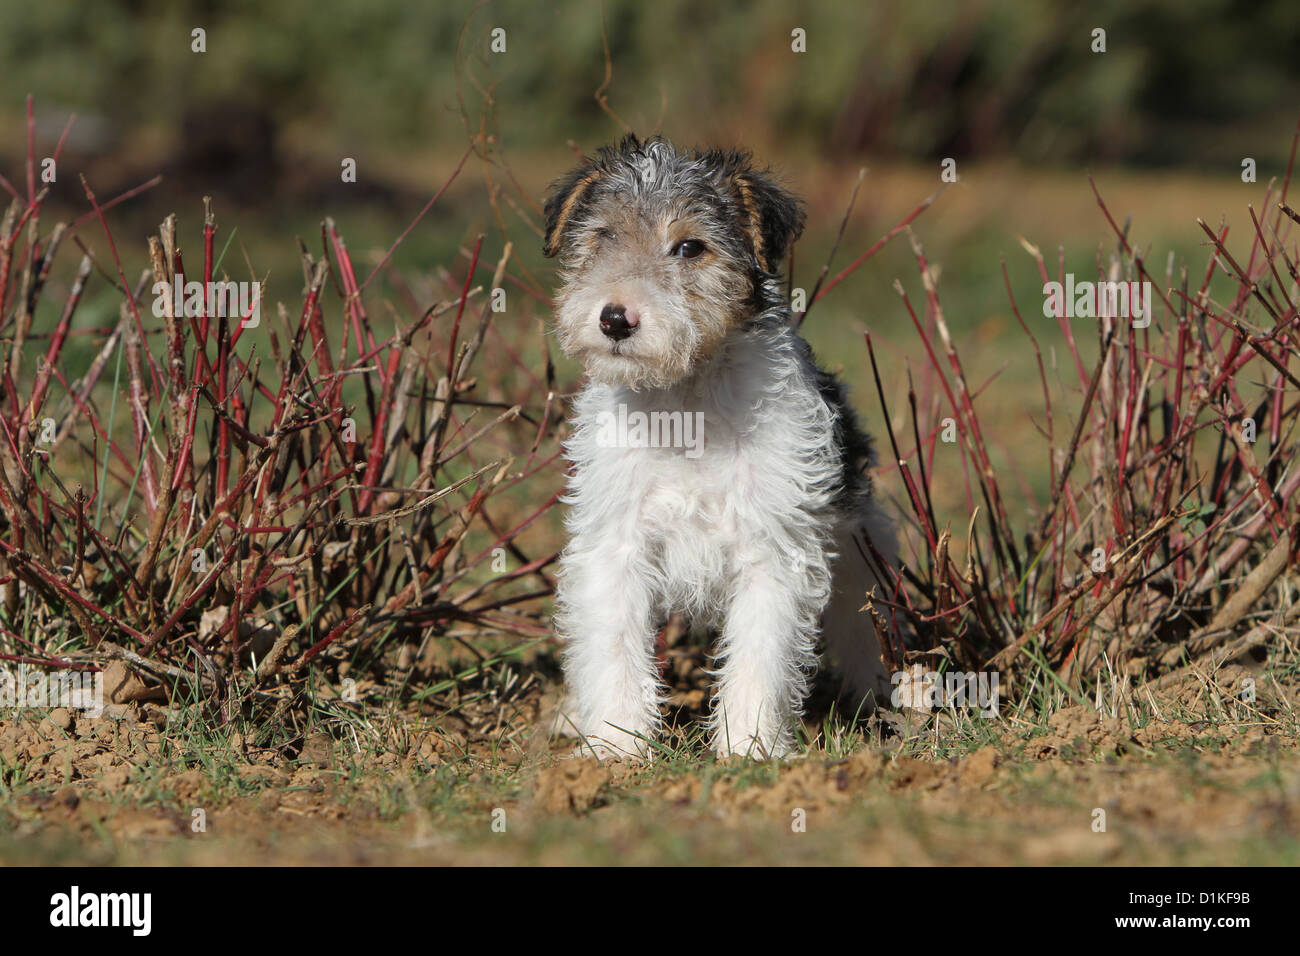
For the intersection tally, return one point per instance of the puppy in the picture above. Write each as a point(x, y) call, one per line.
point(716, 470)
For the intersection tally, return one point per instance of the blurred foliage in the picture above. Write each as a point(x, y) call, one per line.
point(894, 78)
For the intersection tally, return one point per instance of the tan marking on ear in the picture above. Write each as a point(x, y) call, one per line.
point(754, 223)
point(562, 220)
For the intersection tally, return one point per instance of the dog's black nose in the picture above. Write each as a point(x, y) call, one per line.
point(616, 323)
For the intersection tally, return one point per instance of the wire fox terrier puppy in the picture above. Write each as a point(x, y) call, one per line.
point(717, 471)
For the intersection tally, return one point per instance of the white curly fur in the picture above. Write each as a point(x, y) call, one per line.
point(740, 538)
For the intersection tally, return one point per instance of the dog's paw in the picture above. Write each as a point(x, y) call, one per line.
point(754, 748)
point(614, 744)
point(563, 720)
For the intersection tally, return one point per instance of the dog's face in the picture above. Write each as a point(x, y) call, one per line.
point(662, 254)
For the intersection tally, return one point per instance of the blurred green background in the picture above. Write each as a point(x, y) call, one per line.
point(1010, 89)
point(1179, 82)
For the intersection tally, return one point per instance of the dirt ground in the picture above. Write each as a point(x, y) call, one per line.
point(1189, 775)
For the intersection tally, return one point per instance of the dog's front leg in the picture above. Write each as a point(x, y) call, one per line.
point(767, 651)
point(604, 615)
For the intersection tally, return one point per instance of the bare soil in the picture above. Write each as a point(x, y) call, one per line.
point(485, 785)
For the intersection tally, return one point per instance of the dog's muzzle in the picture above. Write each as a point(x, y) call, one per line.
point(617, 323)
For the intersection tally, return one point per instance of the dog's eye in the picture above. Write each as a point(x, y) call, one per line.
point(688, 248)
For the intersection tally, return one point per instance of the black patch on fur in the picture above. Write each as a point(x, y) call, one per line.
point(558, 193)
point(855, 447)
point(780, 214)
point(557, 196)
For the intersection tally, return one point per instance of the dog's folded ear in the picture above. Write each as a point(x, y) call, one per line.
point(566, 196)
point(773, 217)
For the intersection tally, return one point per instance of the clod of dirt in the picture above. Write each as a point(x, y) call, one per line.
point(863, 766)
point(1164, 732)
point(155, 715)
point(911, 773)
point(683, 791)
point(977, 769)
point(122, 685)
point(123, 713)
point(187, 787)
point(808, 785)
point(317, 751)
point(1083, 729)
point(573, 785)
point(255, 774)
